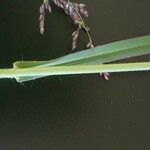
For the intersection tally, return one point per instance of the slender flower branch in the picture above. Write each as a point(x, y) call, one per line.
point(82, 23)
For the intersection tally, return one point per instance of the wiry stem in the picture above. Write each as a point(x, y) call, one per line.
point(66, 70)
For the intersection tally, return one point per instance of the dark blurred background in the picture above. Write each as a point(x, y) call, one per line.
point(75, 112)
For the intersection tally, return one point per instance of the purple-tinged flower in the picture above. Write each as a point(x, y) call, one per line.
point(75, 36)
point(45, 6)
point(90, 45)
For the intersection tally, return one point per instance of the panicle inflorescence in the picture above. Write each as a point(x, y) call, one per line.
point(74, 11)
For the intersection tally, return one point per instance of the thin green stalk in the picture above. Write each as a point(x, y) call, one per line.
point(66, 70)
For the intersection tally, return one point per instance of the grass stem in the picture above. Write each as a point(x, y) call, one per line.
point(81, 69)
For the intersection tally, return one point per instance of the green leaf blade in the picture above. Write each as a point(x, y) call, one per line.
point(98, 55)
